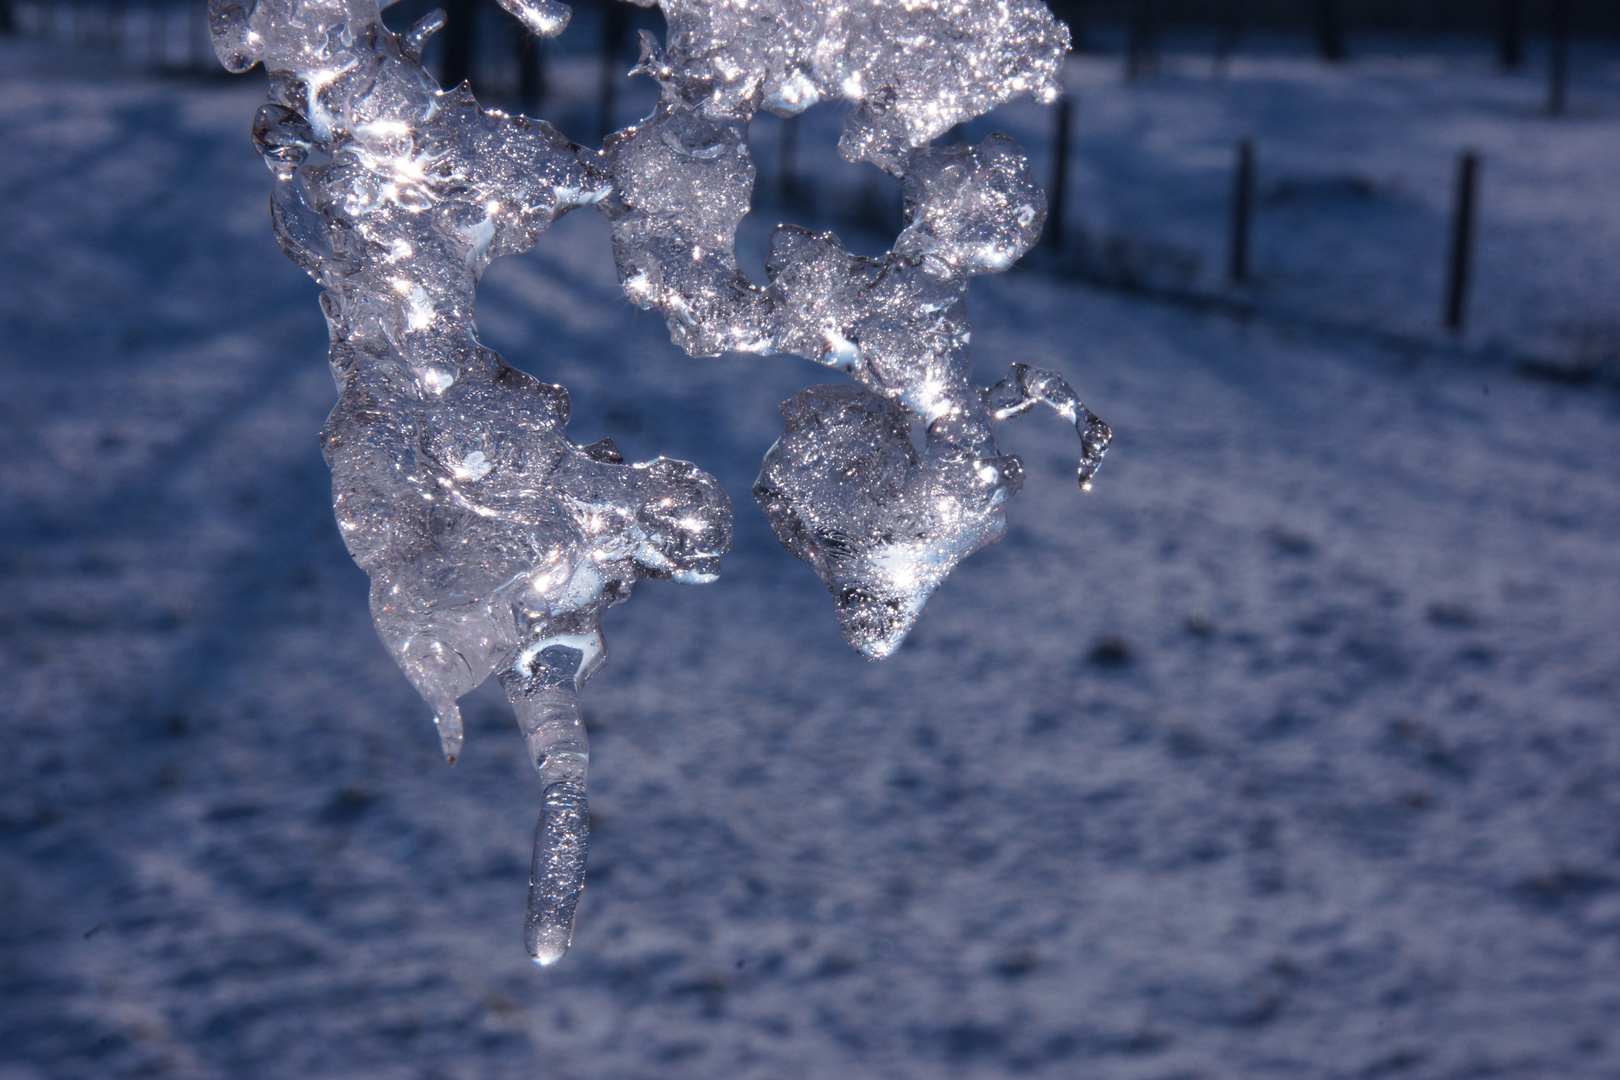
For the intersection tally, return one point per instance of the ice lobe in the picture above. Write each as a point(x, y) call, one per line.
point(492, 541)
point(913, 68)
point(844, 488)
point(544, 18)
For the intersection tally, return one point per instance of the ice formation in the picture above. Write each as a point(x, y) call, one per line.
point(493, 542)
point(844, 488)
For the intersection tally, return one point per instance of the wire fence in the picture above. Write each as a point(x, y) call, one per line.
point(578, 81)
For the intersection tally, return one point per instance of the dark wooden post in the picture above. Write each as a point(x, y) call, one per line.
point(157, 33)
point(1462, 242)
point(787, 181)
point(1237, 267)
point(117, 22)
point(1558, 60)
point(1329, 30)
point(1510, 33)
point(1074, 13)
point(1063, 121)
point(531, 88)
point(1142, 44)
point(199, 39)
point(8, 18)
point(460, 43)
point(1226, 42)
point(615, 25)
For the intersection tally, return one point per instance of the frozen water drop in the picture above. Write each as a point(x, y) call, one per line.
point(544, 18)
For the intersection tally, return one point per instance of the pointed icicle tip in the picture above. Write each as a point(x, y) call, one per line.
point(448, 721)
point(547, 951)
point(543, 18)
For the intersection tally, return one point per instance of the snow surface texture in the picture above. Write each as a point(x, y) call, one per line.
point(493, 542)
point(1314, 773)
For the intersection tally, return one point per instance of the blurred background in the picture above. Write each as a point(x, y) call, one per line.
point(1290, 750)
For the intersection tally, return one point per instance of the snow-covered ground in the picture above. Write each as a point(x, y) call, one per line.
point(1291, 750)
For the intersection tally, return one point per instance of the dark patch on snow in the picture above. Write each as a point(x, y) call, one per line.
point(347, 806)
point(1562, 886)
point(1112, 652)
point(1289, 542)
point(1451, 615)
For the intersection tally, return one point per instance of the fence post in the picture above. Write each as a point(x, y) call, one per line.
point(531, 69)
point(1142, 44)
point(157, 28)
point(1329, 30)
point(787, 182)
point(1237, 269)
point(460, 42)
point(1226, 41)
point(199, 39)
point(1462, 241)
point(1509, 37)
point(1558, 60)
point(615, 25)
point(1075, 15)
point(1060, 172)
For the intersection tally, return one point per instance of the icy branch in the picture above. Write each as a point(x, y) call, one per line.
point(493, 542)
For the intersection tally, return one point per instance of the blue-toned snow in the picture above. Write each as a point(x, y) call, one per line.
point(1292, 750)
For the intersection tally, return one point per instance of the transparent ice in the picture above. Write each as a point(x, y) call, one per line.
point(493, 542)
point(844, 488)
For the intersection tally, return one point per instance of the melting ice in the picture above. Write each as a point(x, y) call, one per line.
point(843, 488)
point(492, 541)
